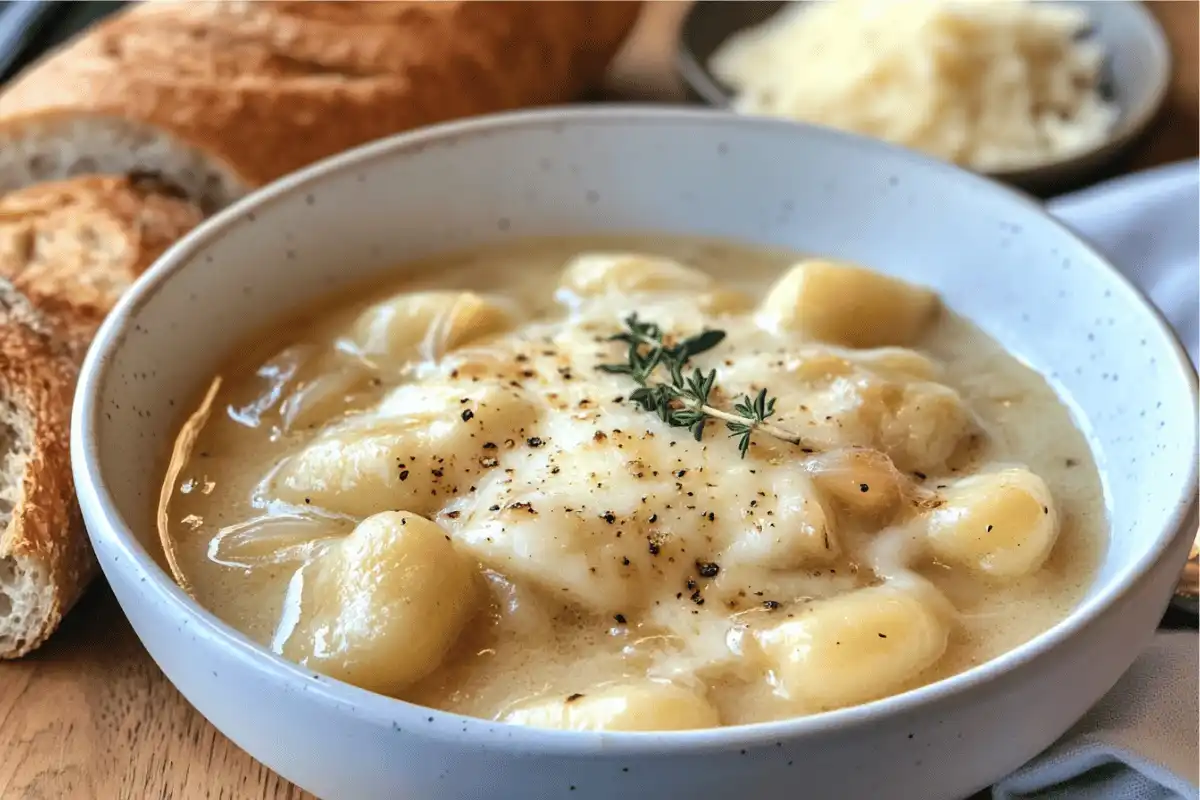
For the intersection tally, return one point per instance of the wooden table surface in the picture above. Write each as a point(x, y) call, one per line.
point(90, 715)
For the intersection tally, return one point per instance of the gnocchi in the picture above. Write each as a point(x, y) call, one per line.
point(847, 305)
point(861, 480)
point(922, 425)
point(857, 646)
point(499, 502)
point(1001, 524)
point(634, 707)
point(382, 607)
point(798, 533)
point(405, 453)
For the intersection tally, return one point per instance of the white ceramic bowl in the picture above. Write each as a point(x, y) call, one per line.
point(993, 255)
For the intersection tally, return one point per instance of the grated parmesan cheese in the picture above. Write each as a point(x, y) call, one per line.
point(989, 84)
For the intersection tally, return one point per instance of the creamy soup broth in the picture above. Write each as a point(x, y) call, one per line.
point(593, 567)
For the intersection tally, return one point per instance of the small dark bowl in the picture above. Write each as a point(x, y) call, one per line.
point(1137, 75)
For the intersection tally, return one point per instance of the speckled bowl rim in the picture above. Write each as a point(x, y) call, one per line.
point(700, 79)
point(107, 526)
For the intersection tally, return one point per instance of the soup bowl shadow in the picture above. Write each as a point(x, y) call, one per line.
point(994, 256)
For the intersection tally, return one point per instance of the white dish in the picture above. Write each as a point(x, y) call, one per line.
point(1136, 77)
point(994, 256)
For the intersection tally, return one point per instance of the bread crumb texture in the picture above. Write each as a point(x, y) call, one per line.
point(45, 559)
point(84, 241)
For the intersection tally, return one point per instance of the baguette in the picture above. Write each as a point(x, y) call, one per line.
point(67, 252)
point(221, 97)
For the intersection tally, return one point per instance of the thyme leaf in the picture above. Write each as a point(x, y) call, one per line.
point(684, 400)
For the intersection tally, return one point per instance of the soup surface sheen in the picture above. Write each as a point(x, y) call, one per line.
point(433, 492)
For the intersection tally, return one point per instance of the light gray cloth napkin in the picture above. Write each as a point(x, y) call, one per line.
point(1141, 741)
point(1148, 224)
point(1138, 743)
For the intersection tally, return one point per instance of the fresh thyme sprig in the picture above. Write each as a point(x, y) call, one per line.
point(684, 401)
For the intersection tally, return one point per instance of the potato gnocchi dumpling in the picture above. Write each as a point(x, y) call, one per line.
point(798, 533)
point(861, 480)
point(381, 608)
point(918, 424)
point(406, 453)
point(631, 707)
point(357, 471)
point(595, 274)
point(1001, 524)
point(857, 646)
point(426, 325)
point(847, 305)
point(922, 425)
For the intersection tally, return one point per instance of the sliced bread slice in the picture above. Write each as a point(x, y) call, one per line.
point(45, 559)
point(67, 252)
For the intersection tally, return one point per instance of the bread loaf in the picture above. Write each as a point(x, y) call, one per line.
point(221, 97)
point(67, 252)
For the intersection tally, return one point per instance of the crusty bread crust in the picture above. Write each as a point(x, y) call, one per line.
point(82, 242)
point(45, 559)
point(262, 89)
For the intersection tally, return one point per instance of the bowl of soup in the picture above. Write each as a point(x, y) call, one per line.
point(645, 451)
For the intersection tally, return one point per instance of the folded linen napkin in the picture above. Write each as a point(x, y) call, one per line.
point(1138, 743)
point(1141, 741)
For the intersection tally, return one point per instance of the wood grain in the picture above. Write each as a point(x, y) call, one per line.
point(90, 715)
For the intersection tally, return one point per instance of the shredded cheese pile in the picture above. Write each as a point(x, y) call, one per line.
point(989, 84)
